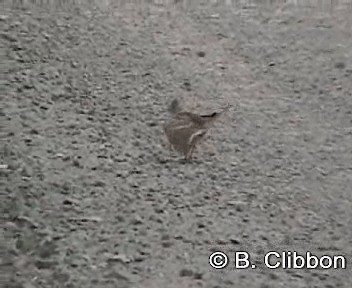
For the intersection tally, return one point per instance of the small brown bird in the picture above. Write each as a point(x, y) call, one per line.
point(186, 129)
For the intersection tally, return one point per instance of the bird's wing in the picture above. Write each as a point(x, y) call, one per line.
point(196, 136)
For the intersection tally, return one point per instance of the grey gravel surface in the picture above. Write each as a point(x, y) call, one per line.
point(92, 197)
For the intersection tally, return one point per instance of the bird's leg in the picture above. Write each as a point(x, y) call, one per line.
point(187, 156)
point(190, 152)
point(168, 144)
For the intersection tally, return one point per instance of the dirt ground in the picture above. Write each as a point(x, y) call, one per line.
point(92, 197)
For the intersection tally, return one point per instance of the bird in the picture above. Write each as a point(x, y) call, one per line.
point(186, 129)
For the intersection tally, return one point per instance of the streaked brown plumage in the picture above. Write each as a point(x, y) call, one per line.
point(186, 129)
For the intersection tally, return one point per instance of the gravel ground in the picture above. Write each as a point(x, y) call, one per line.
point(91, 195)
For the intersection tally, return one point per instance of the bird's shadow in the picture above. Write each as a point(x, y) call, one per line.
point(181, 161)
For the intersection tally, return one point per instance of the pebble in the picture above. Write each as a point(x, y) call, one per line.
point(186, 272)
point(4, 17)
point(201, 54)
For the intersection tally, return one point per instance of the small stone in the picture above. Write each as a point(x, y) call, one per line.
point(221, 242)
point(34, 131)
point(9, 37)
point(137, 220)
point(152, 124)
point(27, 140)
point(99, 183)
point(46, 35)
point(44, 107)
point(45, 264)
point(59, 155)
point(95, 219)
point(221, 66)
point(61, 277)
point(165, 237)
point(47, 249)
point(28, 221)
point(70, 202)
point(74, 64)
point(25, 172)
point(120, 258)
point(3, 17)
point(167, 244)
point(201, 54)
point(340, 65)
point(235, 241)
point(159, 210)
point(186, 272)
point(4, 166)
point(239, 206)
point(187, 85)
point(197, 275)
point(76, 163)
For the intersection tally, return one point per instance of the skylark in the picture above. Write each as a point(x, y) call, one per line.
point(186, 129)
